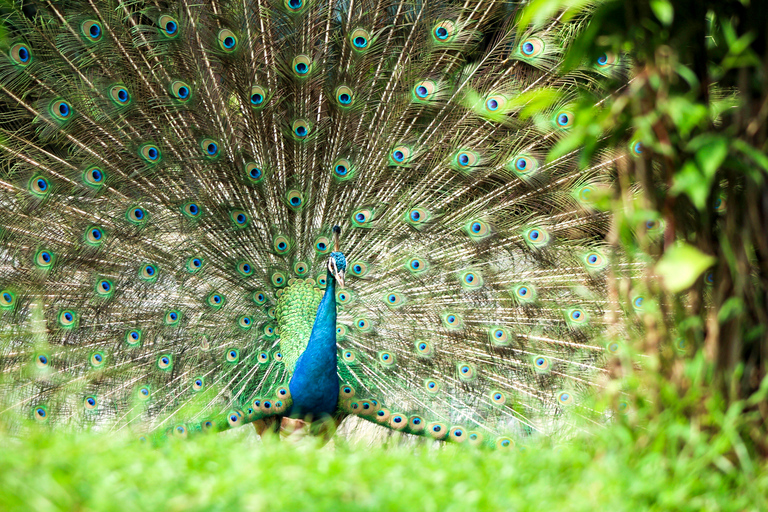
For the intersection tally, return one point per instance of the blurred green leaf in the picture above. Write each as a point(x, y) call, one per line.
point(681, 265)
point(710, 152)
point(689, 180)
point(663, 11)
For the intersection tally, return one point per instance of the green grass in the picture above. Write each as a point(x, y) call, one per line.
point(671, 466)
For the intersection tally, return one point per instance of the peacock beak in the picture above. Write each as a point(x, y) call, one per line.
point(337, 274)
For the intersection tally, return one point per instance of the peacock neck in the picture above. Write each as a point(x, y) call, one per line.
point(315, 384)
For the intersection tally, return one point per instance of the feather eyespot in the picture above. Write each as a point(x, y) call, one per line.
point(386, 359)
point(20, 54)
point(416, 265)
point(61, 110)
point(498, 398)
point(398, 421)
point(90, 402)
point(431, 386)
point(347, 391)
point(244, 322)
point(362, 217)
point(240, 218)
point(360, 39)
point(234, 418)
point(424, 90)
point(259, 297)
point(172, 317)
point(565, 398)
point(504, 443)
point(349, 356)
point(42, 360)
point(93, 177)
point(322, 245)
point(499, 335)
point(104, 287)
point(144, 393)
point(233, 355)
point(444, 31)
point(216, 300)
point(40, 413)
point(301, 128)
point(227, 40)
point(478, 230)
point(541, 364)
point(97, 359)
point(719, 205)
point(400, 155)
point(344, 96)
point(44, 259)
point(294, 5)
point(363, 325)
point(120, 95)
point(416, 423)
point(564, 119)
point(524, 165)
point(210, 148)
point(342, 169)
point(150, 153)
point(39, 186)
point(180, 90)
point(495, 103)
point(465, 160)
point(133, 337)
point(424, 348)
point(7, 299)
point(577, 317)
point(258, 96)
point(344, 297)
point(531, 47)
point(470, 279)
point(605, 60)
point(278, 279)
point(67, 318)
point(136, 215)
point(191, 210)
point(169, 27)
point(194, 264)
point(164, 362)
point(253, 172)
point(302, 65)
point(466, 371)
point(536, 237)
point(94, 236)
point(457, 434)
point(295, 199)
point(594, 260)
point(437, 430)
point(452, 321)
point(394, 299)
point(91, 29)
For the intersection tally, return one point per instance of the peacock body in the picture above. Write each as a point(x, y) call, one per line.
point(171, 176)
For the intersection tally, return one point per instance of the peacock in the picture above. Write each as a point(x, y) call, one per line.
point(291, 212)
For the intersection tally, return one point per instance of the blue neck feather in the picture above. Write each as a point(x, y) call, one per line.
point(315, 384)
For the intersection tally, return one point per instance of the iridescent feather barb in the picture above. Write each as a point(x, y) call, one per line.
point(170, 173)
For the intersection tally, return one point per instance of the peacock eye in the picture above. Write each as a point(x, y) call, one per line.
point(564, 119)
point(227, 40)
point(302, 65)
point(532, 47)
point(91, 29)
point(169, 27)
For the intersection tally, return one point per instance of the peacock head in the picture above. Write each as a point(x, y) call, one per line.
point(337, 263)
